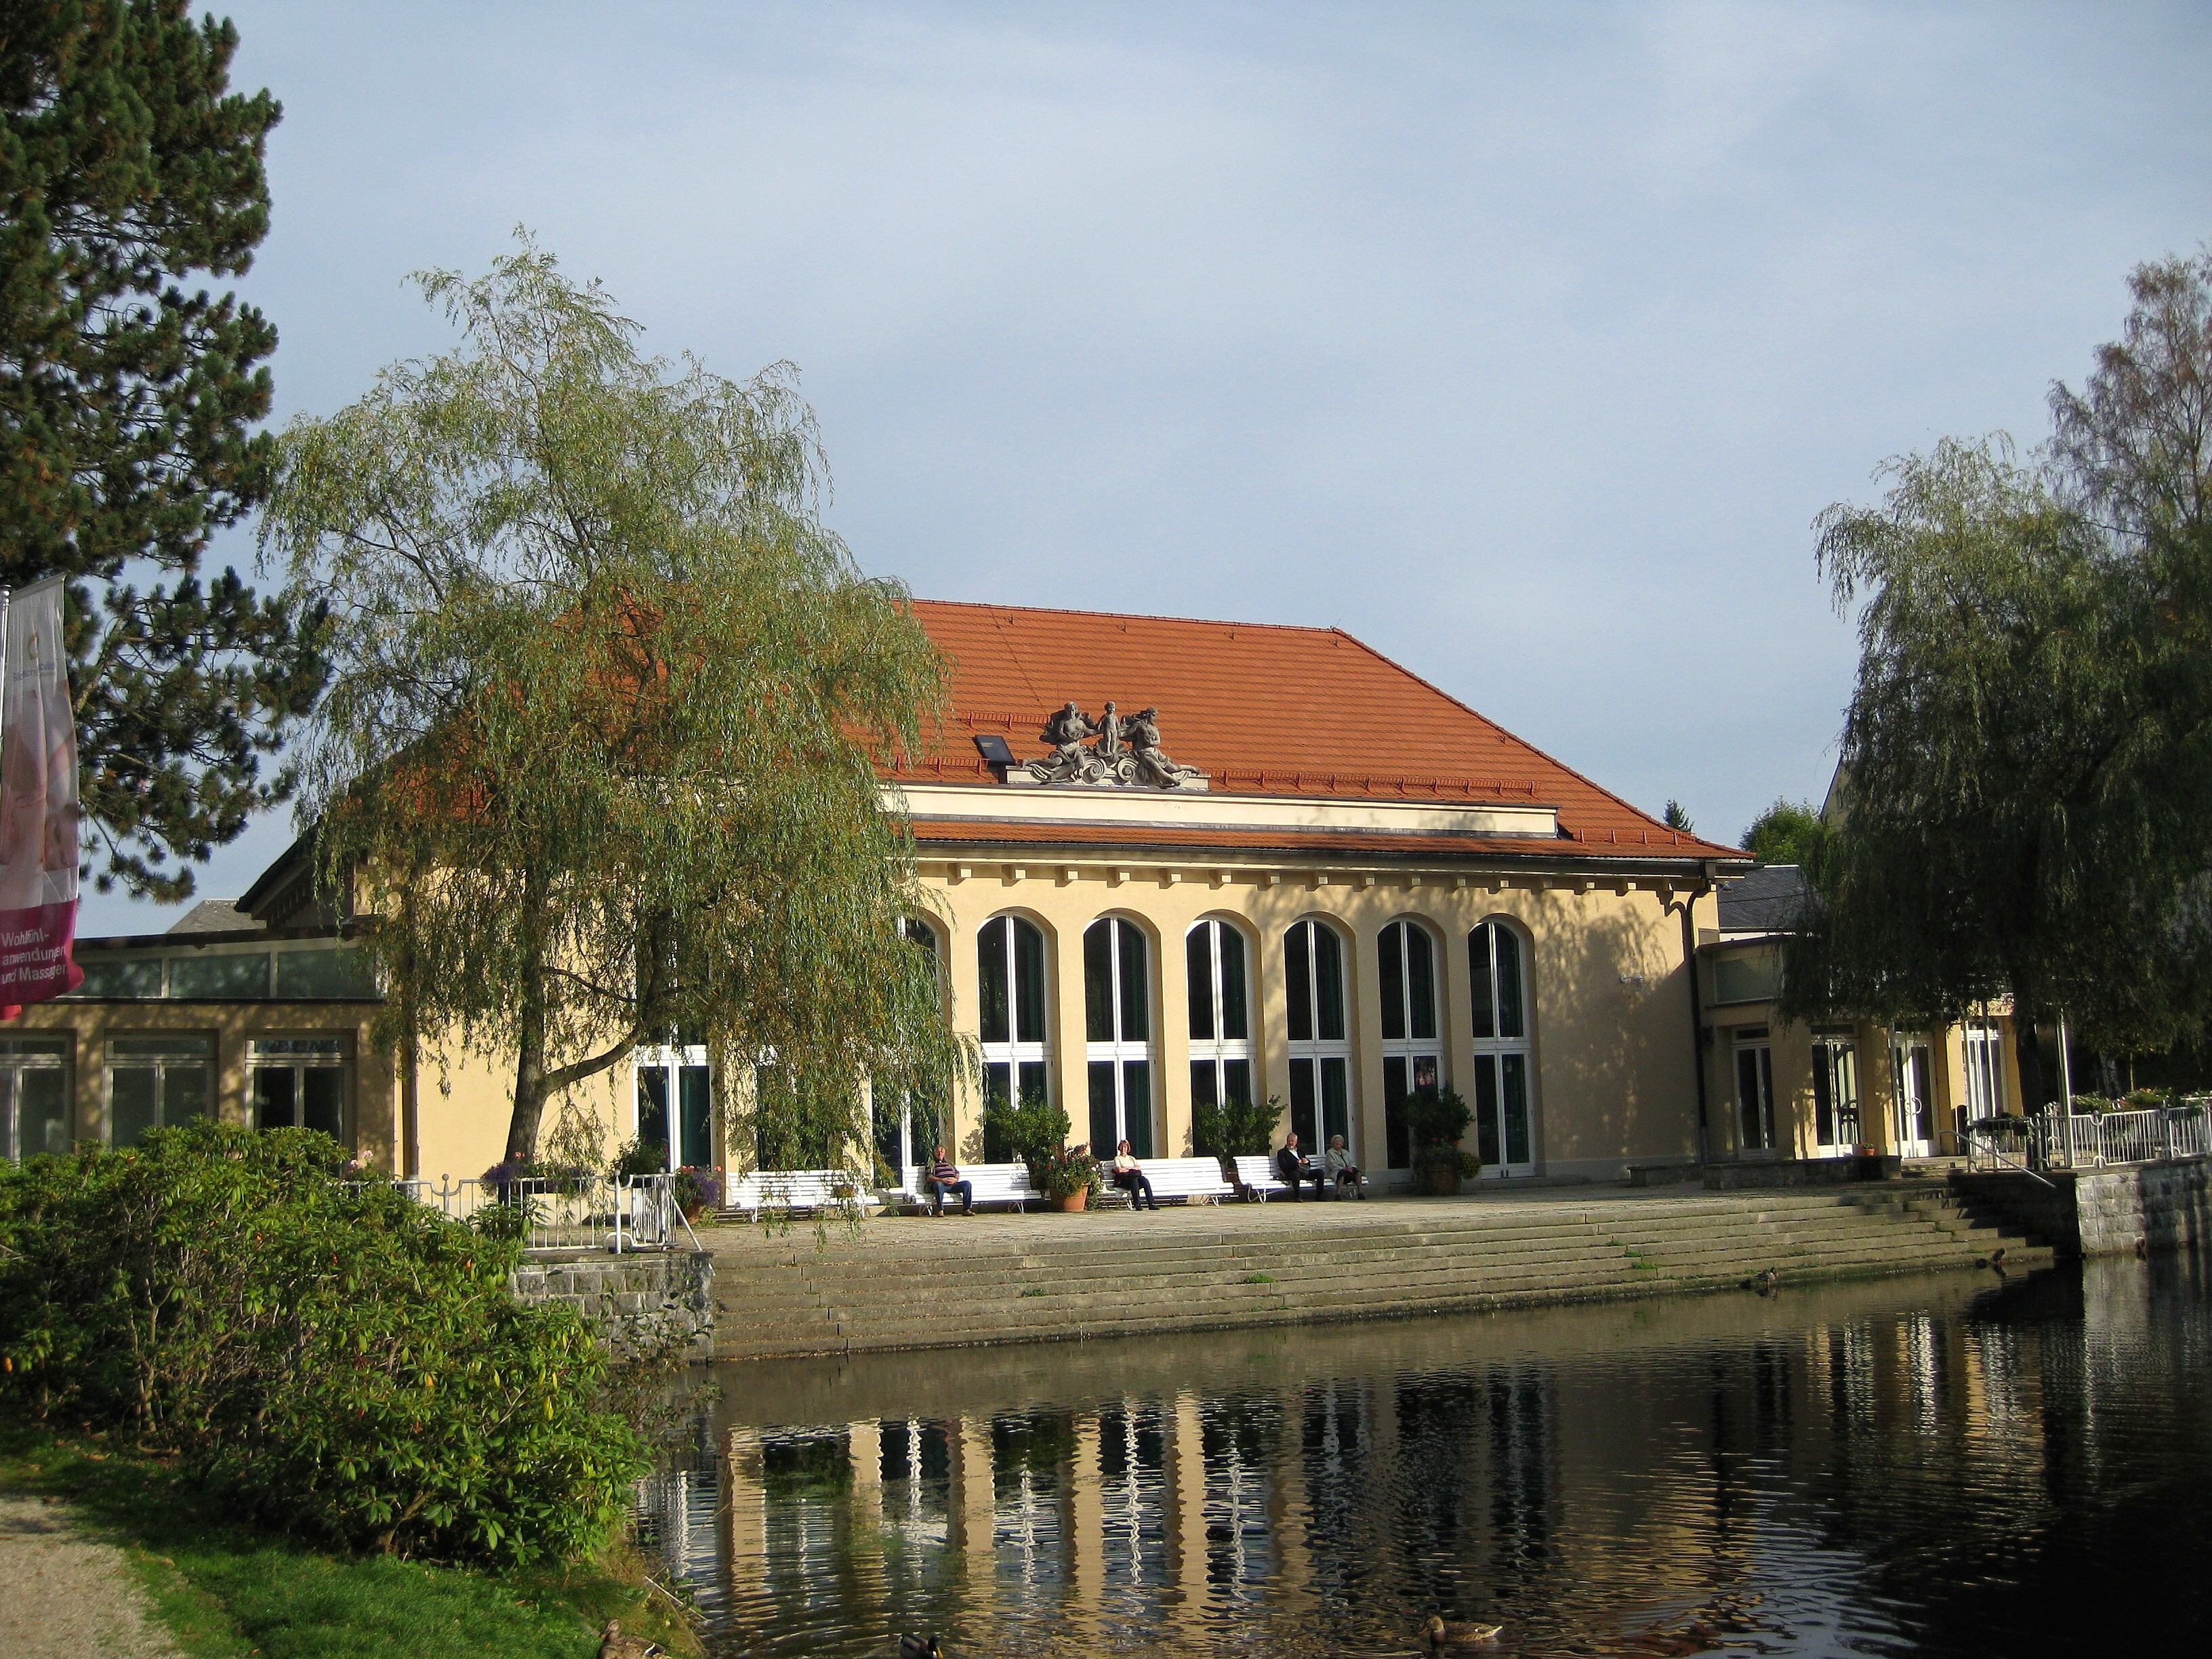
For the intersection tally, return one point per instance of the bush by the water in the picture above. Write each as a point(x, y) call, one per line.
point(339, 1360)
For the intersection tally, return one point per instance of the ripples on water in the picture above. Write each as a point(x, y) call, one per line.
point(1936, 1465)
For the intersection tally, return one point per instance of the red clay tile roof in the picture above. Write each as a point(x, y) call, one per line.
point(1264, 709)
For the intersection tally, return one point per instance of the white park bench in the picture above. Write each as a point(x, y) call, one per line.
point(1178, 1180)
point(791, 1189)
point(1257, 1171)
point(994, 1183)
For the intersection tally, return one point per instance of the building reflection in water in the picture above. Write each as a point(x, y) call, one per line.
point(1850, 1467)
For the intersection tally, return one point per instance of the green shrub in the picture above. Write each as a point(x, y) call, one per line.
point(330, 1356)
point(1433, 1116)
point(1235, 1128)
point(1028, 1133)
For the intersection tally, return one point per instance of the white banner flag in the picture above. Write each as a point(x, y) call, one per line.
point(38, 804)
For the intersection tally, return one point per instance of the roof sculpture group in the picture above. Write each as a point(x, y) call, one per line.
point(1127, 752)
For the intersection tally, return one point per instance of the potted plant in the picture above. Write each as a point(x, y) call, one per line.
point(1234, 1128)
point(1435, 1119)
point(696, 1192)
point(1069, 1174)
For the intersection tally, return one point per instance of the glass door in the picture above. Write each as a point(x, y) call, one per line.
point(34, 1097)
point(1320, 1049)
point(1911, 1069)
point(1754, 1090)
point(675, 1107)
point(1499, 1005)
point(1835, 1091)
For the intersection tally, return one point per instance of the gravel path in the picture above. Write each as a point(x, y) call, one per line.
point(65, 1596)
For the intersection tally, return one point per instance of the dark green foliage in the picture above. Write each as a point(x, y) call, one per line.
point(334, 1358)
point(1783, 833)
point(1029, 1133)
point(1676, 816)
point(2027, 756)
point(1434, 1117)
point(128, 400)
point(1235, 1128)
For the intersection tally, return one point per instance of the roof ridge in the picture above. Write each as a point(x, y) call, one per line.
point(1230, 623)
point(1541, 754)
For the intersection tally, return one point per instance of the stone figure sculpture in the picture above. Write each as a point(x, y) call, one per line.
point(1151, 762)
point(1127, 753)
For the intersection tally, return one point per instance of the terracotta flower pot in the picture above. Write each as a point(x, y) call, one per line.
point(1068, 1203)
point(1439, 1179)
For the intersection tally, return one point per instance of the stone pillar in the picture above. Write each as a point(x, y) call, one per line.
point(1171, 1045)
point(744, 1507)
point(864, 1445)
point(1085, 1520)
point(1069, 1034)
point(973, 1518)
point(1186, 1505)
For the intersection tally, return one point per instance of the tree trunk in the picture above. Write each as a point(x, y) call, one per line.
point(530, 1025)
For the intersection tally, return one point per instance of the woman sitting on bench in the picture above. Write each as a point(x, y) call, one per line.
point(1342, 1169)
point(1130, 1175)
point(945, 1177)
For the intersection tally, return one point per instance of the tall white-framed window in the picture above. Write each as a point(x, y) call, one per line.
point(1913, 1090)
point(298, 1083)
point(676, 1104)
point(1754, 1053)
point(1497, 1006)
point(1014, 1022)
point(1320, 1038)
point(1985, 1084)
point(1117, 1030)
point(1215, 955)
point(906, 1127)
point(1835, 1090)
point(155, 1082)
point(34, 1096)
point(1413, 1056)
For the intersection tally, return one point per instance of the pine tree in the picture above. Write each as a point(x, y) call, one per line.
point(129, 400)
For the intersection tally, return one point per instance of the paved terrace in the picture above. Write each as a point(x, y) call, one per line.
point(910, 1282)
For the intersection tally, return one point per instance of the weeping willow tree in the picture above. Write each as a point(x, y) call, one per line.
point(2027, 753)
point(597, 762)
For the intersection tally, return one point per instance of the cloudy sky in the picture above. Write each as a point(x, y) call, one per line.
point(1522, 341)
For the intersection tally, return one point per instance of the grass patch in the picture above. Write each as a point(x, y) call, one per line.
point(1259, 1278)
point(227, 1591)
point(1037, 1290)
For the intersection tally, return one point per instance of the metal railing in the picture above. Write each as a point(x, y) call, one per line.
point(2089, 1141)
point(615, 1213)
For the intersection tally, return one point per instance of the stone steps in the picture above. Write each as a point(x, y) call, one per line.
point(921, 1284)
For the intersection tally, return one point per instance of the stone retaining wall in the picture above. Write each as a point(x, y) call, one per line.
point(642, 1303)
point(2114, 1211)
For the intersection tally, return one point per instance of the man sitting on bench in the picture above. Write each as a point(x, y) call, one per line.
point(945, 1177)
point(1292, 1169)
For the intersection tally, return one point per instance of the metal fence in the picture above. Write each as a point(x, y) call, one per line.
point(2089, 1141)
point(615, 1213)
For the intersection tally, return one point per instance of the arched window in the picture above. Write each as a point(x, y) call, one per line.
point(1412, 1056)
point(1220, 1015)
point(1498, 998)
point(905, 1127)
point(1319, 1048)
point(1010, 973)
point(1118, 1028)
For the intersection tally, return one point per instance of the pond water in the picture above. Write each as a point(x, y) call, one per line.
point(1943, 1465)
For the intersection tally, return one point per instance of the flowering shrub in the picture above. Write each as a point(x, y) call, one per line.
point(696, 1189)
